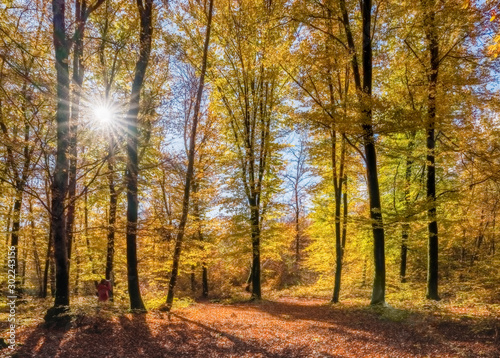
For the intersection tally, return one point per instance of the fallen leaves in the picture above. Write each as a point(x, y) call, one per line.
point(283, 328)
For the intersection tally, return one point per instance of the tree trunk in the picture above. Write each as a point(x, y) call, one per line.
point(432, 43)
point(363, 275)
point(47, 263)
point(36, 256)
point(204, 280)
point(338, 185)
point(405, 230)
point(113, 199)
point(197, 215)
point(16, 225)
point(255, 223)
point(249, 279)
point(364, 92)
point(7, 226)
point(59, 188)
point(193, 279)
point(190, 169)
point(73, 126)
point(52, 274)
point(344, 222)
point(378, 294)
point(297, 229)
point(23, 270)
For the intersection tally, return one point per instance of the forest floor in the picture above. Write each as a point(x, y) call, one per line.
point(284, 327)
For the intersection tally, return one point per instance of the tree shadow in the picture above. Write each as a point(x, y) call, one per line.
point(292, 329)
point(41, 342)
point(240, 345)
point(402, 331)
point(139, 336)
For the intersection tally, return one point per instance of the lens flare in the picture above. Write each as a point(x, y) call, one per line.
point(103, 114)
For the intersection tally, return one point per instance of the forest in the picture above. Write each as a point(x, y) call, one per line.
point(239, 170)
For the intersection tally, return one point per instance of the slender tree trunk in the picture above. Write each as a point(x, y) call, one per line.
point(338, 185)
point(59, 188)
point(23, 269)
point(16, 225)
point(492, 244)
point(73, 126)
point(36, 256)
point(364, 91)
point(432, 43)
point(145, 38)
point(344, 222)
point(113, 194)
point(77, 269)
point(113, 199)
point(193, 279)
point(297, 228)
point(249, 279)
point(378, 294)
point(86, 230)
point(197, 215)
point(7, 226)
point(405, 230)
point(363, 275)
point(204, 280)
point(47, 263)
point(255, 222)
point(52, 274)
point(190, 169)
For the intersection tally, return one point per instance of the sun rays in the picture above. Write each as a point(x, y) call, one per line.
point(103, 114)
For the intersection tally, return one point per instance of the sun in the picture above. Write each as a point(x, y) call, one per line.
point(103, 114)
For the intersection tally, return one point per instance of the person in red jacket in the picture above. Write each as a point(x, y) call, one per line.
point(103, 290)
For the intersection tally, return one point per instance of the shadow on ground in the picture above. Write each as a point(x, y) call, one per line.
point(266, 329)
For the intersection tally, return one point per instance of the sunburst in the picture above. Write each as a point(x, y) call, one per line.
point(103, 114)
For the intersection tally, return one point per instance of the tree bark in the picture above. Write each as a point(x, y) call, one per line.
point(45, 281)
point(255, 227)
point(338, 185)
point(73, 126)
point(59, 188)
point(364, 91)
point(432, 43)
point(7, 226)
point(204, 280)
point(145, 38)
point(113, 199)
point(297, 230)
point(36, 256)
point(190, 169)
point(344, 222)
point(378, 294)
point(405, 230)
point(16, 225)
point(193, 279)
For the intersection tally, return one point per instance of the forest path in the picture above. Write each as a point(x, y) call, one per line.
point(283, 328)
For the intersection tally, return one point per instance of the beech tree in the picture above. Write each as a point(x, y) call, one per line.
point(190, 168)
point(145, 9)
point(250, 91)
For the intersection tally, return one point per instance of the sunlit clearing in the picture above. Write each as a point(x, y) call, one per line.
point(103, 114)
